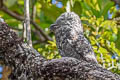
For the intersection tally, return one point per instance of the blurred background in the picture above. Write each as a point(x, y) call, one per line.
point(100, 18)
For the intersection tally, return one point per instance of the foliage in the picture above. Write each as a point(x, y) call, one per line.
point(49, 51)
point(103, 32)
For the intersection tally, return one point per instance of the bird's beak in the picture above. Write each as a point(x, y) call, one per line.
point(52, 27)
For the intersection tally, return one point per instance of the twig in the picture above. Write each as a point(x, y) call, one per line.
point(33, 10)
point(41, 38)
point(41, 31)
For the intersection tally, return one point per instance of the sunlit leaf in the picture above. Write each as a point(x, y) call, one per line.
point(10, 3)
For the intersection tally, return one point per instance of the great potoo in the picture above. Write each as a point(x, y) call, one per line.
point(70, 39)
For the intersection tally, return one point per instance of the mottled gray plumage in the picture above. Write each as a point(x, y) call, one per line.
point(70, 39)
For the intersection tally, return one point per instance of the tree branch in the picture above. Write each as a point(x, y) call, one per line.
point(27, 64)
point(41, 31)
point(1, 3)
point(6, 10)
point(18, 17)
point(27, 28)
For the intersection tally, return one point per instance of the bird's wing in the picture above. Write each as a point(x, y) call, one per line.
point(83, 48)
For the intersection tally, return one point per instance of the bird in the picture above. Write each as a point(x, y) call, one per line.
point(70, 39)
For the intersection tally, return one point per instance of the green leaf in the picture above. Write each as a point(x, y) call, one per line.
point(95, 12)
point(10, 3)
point(118, 39)
point(85, 6)
point(99, 3)
point(113, 37)
point(106, 8)
point(77, 7)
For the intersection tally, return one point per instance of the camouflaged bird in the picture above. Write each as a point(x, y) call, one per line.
point(70, 39)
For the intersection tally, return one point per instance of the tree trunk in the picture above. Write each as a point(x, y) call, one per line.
point(27, 64)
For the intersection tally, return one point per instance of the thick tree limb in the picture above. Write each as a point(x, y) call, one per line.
point(27, 64)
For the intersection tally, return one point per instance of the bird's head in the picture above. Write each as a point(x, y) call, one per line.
point(67, 20)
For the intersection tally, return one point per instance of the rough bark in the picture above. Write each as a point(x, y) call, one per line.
point(27, 64)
